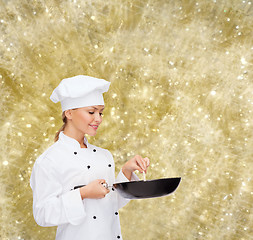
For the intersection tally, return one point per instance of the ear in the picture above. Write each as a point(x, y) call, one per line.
point(68, 113)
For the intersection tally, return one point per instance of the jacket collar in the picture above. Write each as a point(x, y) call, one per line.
point(71, 141)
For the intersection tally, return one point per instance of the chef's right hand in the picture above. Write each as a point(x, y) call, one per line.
point(95, 189)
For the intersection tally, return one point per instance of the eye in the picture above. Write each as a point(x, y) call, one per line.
point(93, 113)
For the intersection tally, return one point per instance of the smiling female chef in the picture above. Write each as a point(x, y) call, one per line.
point(89, 212)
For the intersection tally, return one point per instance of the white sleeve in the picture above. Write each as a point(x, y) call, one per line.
point(50, 206)
point(122, 178)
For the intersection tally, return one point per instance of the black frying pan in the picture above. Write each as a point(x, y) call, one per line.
point(146, 189)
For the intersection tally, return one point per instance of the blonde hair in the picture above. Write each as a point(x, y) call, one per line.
point(64, 119)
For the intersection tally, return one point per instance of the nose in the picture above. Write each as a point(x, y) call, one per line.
point(98, 118)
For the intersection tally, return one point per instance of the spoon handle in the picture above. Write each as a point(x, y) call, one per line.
point(144, 176)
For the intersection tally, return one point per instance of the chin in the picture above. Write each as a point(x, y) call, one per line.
point(91, 133)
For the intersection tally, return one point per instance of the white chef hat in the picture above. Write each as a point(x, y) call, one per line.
point(80, 91)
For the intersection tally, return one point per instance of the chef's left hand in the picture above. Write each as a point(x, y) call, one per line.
point(136, 163)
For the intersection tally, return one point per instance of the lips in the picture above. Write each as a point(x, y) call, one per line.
point(94, 126)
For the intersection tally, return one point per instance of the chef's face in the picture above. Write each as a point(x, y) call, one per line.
point(87, 119)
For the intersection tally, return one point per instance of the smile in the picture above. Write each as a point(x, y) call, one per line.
point(94, 126)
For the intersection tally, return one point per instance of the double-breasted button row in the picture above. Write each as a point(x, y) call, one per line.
point(94, 217)
point(94, 150)
point(89, 166)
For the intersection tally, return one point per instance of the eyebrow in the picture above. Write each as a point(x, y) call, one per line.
point(98, 109)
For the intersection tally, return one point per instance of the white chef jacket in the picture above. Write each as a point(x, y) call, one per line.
point(57, 171)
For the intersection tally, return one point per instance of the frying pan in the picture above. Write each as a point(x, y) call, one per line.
point(145, 189)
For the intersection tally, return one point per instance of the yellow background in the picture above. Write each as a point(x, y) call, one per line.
point(181, 95)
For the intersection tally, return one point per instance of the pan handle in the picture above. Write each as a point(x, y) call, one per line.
point(79, 186)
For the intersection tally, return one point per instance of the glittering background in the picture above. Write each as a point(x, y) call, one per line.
point(181, 94)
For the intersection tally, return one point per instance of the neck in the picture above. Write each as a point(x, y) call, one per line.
point(77, 135)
